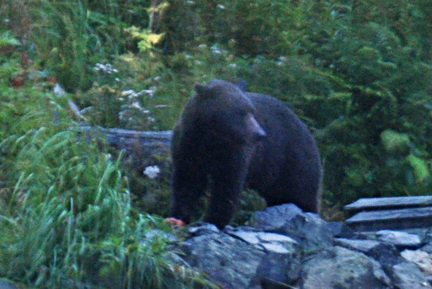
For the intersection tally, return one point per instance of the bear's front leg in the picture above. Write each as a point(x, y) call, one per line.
point(188, 186)
point(227, 184)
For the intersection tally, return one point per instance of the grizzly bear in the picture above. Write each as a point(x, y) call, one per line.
point(226, 138)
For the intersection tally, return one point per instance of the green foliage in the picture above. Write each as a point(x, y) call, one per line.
point(395, 142)
point(6, 38)
point(65, 41)
point(131, 93)
point(147, 40)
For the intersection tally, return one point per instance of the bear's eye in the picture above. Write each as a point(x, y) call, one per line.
point(243, 113)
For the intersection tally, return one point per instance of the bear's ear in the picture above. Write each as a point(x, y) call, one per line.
point(201, 90)
point(241, 84)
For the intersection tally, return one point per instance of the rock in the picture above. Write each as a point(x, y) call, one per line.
point(227, 260)
point(156, 233)
point(427, 238)
point(422, 259)
point(6, 285)
point(273, 219)
point(282, 254)
point(429, 279)
point(407, 275)
point(203, 229)
point(384, 253)
point(279, 268)
point(235, 263)
point(427, 248)
point(363, 246)
point(340, 229)
point(399, 239)
point(337, 267)
point(286, 248)
point(270, 241)
point(308, 229)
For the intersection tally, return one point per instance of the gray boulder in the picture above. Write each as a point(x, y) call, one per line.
point(308, 229)
point(384, 253)
point(338, 267)
point(407, 275)
point(235, 263)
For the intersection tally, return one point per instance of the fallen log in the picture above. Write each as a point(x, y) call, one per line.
point(141, 148)
point(128, 139)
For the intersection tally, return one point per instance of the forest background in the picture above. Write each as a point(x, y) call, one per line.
point(358, 73)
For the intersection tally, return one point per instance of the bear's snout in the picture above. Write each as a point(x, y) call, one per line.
point(258, 133)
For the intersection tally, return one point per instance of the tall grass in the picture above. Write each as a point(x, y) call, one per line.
point(65, 213)
point(69, 39)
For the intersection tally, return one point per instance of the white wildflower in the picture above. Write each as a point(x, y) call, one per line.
point(127, 92)
point(122, 115)
point(150, 91)
point(202, 46)
point(105, 68)
point(220, 6)
point(216, 49)
point(136, 105)
point(283, 58)
point(58, 90)
point(151, 171)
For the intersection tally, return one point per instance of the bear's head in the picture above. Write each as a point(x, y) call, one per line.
point(227, 113)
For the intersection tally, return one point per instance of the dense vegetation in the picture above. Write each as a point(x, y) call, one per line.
point(359, 73)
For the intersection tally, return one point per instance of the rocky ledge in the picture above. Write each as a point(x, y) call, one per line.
point(287, 248)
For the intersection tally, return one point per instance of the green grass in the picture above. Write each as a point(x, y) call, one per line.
point(66, 218)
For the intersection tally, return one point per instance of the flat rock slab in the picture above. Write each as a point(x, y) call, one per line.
point(407, 275)
point(399, 239)
point(363, 246)
point(391, 219)
point(390, 203)
point(269, 241)
point(385, 253)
